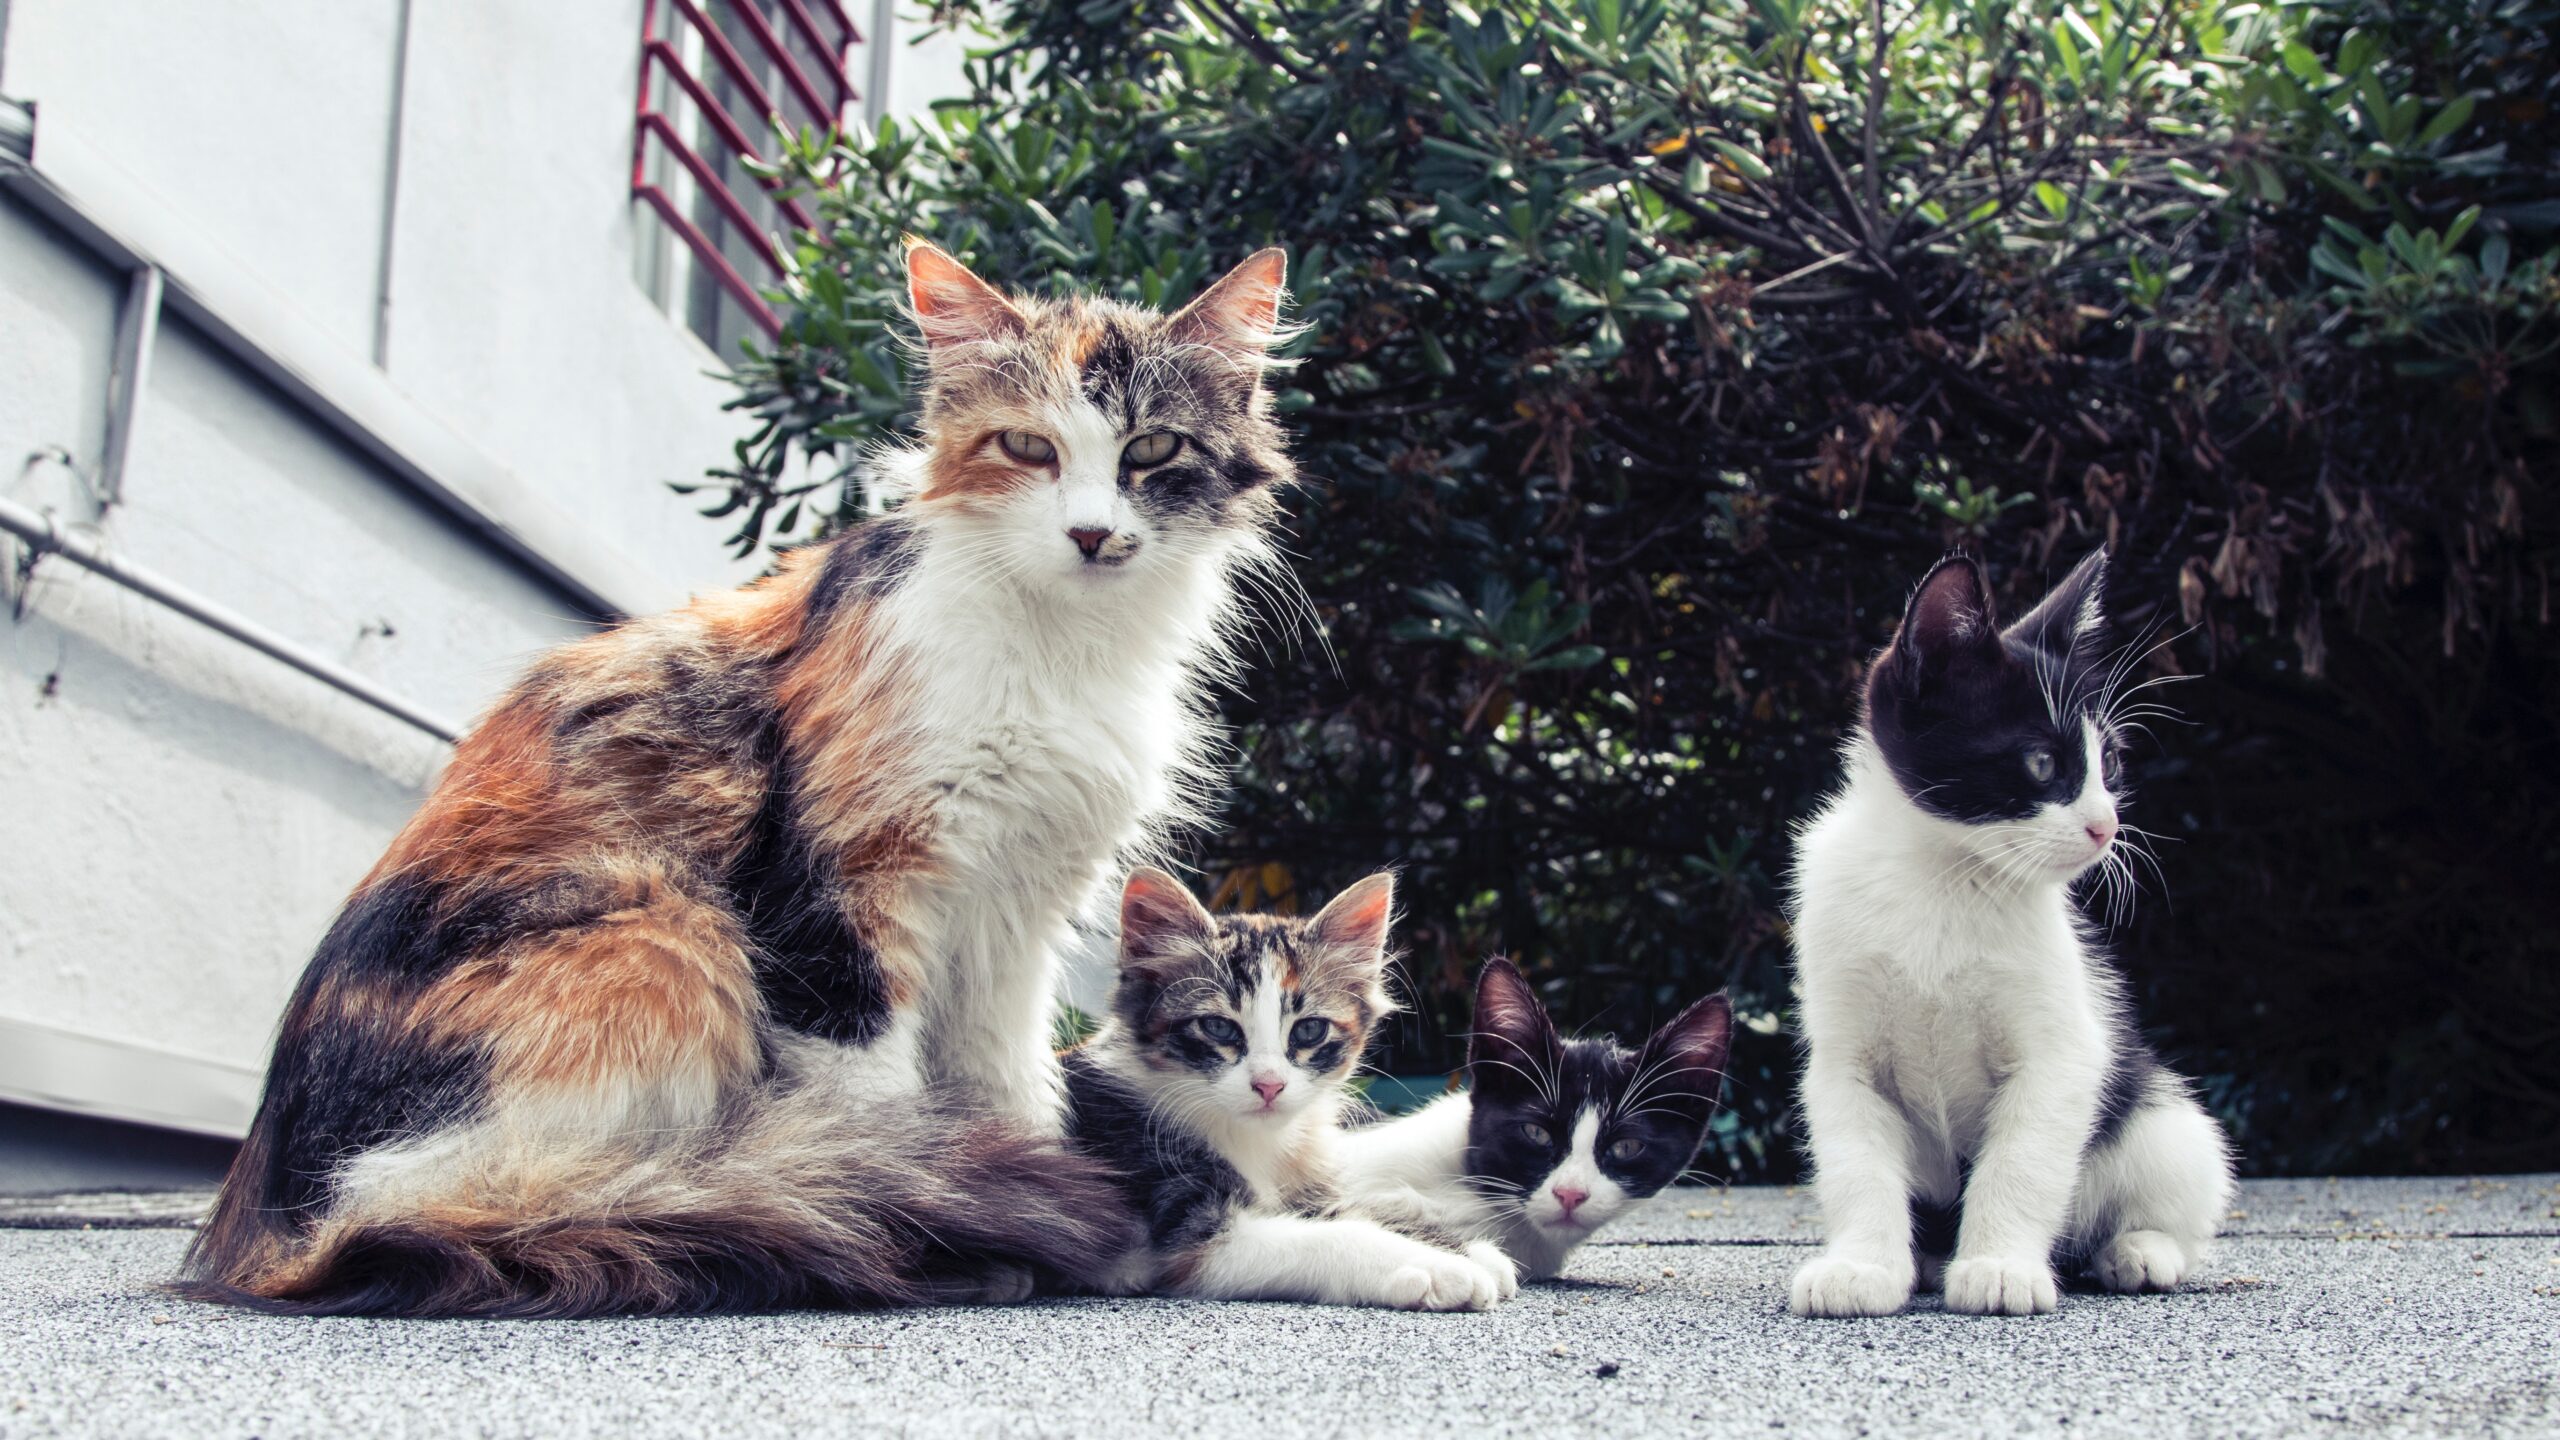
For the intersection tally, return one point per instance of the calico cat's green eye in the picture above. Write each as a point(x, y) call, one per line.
point(1026, 447)
point(2040, 765)
point(1310, 1031)
point(1153, 448)
point(1536, 1134)
point(1219, 1030)
point(1627, 1151)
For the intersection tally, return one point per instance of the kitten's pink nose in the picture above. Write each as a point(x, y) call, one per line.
point(1089, 540)
point(1569, 1198)
point(1269, 1088)
point(2102, 832)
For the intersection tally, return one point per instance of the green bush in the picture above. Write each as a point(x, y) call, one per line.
point(1655, 350)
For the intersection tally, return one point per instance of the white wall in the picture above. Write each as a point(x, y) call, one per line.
point(179, 815)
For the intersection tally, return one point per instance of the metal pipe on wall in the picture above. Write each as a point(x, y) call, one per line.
point(41, 531)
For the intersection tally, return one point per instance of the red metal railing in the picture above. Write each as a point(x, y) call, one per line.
point(661, 54)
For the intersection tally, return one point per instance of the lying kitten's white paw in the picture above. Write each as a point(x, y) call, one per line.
point(1442, 1282)
point(2140, 1260)
point(2000, 1286)
point(1839, 1288)
point(1505, 1272)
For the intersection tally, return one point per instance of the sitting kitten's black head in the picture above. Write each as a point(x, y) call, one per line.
point(1575, 1132)
point(2003, 728)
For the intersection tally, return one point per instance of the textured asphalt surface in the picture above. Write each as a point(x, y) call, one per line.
point(2428, 1307)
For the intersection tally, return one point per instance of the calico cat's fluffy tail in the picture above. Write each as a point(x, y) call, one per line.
point(794, 1204)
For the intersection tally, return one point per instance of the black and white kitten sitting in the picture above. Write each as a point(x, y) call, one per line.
point(1974, 1086)
point(1216, 1091)
point(1553, 1138)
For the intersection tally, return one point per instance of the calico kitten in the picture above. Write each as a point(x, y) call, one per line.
point(717, 971)
point(1974, 1085)
point(1553, 1138)
point(1216, 1091)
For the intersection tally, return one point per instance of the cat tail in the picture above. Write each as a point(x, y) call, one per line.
point(794, 1204)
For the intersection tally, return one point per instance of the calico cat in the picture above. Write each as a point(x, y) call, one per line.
point(1974, 1085)
point(1216, 1090)
point(1552, 1138)
point(716, 972)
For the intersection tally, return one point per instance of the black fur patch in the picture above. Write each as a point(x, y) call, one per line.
point(817, 975)
point(869, 561)
point(1180, 1186)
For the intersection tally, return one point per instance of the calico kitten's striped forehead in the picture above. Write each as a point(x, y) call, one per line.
point(1247, 953)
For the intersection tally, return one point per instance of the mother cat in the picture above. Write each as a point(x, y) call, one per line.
point(716, 972)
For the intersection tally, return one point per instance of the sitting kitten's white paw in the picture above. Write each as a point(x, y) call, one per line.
point(1837, 1287)
point(2140, 1260)
point(1444, 1281)
point(1998, 1285)
point(1505, 1273)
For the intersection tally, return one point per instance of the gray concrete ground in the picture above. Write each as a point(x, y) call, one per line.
point(2395, 1307)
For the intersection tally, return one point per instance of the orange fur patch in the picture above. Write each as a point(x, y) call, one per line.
point(661, 988)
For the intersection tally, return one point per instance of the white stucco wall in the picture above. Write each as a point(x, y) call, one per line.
point(179, 816)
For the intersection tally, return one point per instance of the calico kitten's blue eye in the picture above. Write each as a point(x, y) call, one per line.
point(1310, 1031)
point(2040, 765)
point(1627, 1151)
point(1026, 447)
point(1220, 1030)
point(1536, 1134)
point(1152, 449)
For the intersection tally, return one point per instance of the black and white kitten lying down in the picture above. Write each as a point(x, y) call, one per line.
point(1216, 1091)
point(1552, 1139)
point(1974, 1086)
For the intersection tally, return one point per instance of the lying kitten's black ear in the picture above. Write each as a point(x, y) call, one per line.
point(1683, 1063)
point(1949, 619)
point(1514, 1047)
point(1160, 922)
point(2072, 618)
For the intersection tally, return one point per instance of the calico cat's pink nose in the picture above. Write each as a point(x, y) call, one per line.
point(1089, 541)
point(1269, 1089)
point(1569, 1198)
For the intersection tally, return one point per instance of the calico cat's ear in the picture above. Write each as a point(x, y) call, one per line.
point(2073, 616)
point(1353, 925)
point(1241, 313)
point(1514, 1043)
point(1949, 619)
point(952, 305)
point(1684, 1061)
point(1160, 920)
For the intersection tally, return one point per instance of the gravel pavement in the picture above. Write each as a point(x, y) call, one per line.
point(2388, 1307)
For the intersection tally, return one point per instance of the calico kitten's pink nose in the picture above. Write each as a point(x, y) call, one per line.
point(1088, 540)
point(1269, 1089)
point(1569, 1198)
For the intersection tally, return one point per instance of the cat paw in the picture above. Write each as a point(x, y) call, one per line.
point(2001, 1286)
point(1442, 1282)
point(1838, 1288)
point(2140, 1260)
point(1505, 1273)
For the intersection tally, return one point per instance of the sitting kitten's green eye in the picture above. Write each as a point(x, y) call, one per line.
point(1153, 448)
point(2040, 765)
point(1220, 1030)
point(1026, 447)
point(1627, 1151)
point(1310, 1031)
point(1535, 1133)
